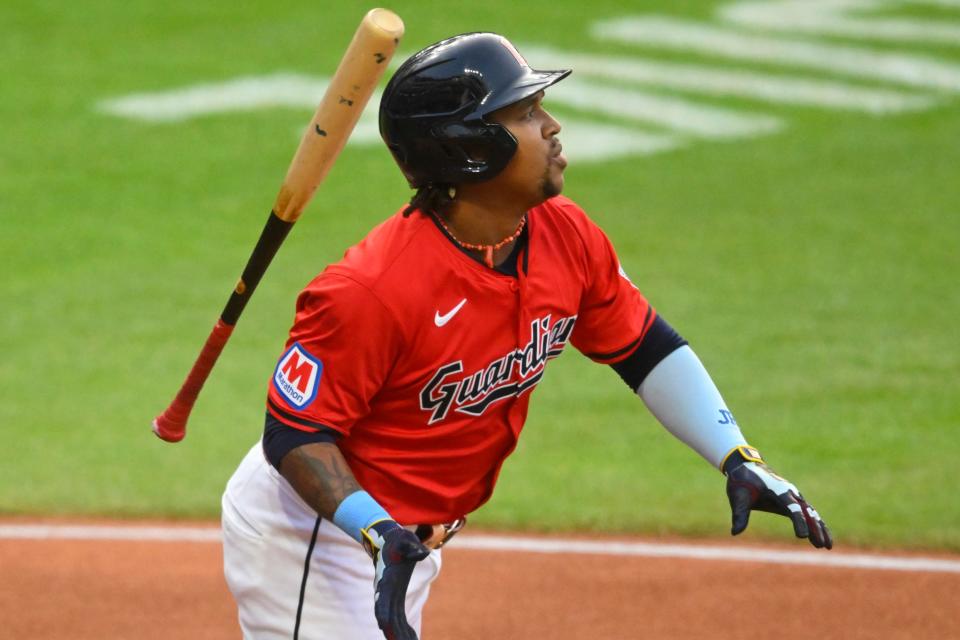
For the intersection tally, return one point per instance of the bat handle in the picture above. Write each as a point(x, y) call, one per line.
point(171, 425)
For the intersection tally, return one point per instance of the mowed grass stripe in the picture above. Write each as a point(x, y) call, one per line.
point(726, 81)
point(909, 69)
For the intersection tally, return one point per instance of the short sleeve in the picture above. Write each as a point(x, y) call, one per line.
point(339, 352)
point(614, 316)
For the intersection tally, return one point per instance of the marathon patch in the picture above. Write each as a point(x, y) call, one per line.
point(297, 377)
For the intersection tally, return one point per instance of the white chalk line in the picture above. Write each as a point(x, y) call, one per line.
point(108, 532)
point(525, 544)
point(807, 557)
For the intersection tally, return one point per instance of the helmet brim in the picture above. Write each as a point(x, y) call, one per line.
point(526, 85)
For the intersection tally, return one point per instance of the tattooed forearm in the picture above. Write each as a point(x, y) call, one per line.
point(320, 475)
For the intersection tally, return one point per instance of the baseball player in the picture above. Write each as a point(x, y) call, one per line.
point(405, 380)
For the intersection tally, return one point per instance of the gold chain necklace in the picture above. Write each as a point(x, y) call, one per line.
point(487, 249)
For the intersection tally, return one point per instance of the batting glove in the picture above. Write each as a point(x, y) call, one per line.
point(752, 485)
point(395, 552)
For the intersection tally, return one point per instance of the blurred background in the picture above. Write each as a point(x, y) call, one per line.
point(780, 179)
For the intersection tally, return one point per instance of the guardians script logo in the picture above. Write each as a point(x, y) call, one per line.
point(506, 377)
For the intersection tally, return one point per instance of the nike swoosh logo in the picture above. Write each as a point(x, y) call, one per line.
point(441, 320)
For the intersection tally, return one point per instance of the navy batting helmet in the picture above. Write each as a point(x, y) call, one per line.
point(432, 114)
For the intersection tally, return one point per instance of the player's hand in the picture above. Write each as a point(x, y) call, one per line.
point(395, 552)
point(752, 485)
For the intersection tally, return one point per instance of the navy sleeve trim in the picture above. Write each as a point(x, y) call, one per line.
point(280, 439)
point(660, 341)
point(289, 417)
point(614, 354)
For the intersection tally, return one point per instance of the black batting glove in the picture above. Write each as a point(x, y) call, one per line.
point(753, 486)
point(395, 552)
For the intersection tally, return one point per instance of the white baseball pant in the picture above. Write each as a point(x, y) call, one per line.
point(295, 575)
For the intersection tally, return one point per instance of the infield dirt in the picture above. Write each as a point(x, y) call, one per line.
point(97, 589)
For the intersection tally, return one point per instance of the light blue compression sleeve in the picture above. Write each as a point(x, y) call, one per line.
point(682, 396)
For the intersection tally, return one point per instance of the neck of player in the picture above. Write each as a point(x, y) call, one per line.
point(478, 219)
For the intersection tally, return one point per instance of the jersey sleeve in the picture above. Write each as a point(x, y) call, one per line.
point(614, 316)
point(340, 349)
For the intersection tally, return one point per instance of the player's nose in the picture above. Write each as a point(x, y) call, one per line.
point(551, 126)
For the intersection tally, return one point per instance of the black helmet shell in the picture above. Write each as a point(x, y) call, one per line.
point(432, 114)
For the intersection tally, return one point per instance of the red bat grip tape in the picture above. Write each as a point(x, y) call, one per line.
point(171, 425)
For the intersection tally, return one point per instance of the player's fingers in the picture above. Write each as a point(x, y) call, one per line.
point(795, 507)
point(400, 628)
point(408, 548)
point(741, 500)
point(403, 629)
point(416, 554)
point(399, 632)
point(390, 605)
point(827, 537)
point(800, 527)
point(819, 534)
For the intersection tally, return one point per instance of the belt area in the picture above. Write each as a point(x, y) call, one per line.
point(434, 536)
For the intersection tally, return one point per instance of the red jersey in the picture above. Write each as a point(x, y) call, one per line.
point(425, 359)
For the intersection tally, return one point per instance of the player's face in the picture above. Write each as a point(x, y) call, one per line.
point(535, 172)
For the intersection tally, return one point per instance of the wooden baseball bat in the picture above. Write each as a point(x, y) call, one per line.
point(356, 77)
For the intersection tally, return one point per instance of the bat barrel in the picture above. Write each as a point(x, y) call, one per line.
point(354, 81)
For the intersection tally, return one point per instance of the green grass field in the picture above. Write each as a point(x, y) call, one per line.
point(814, 270)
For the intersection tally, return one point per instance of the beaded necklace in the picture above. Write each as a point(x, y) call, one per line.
point(487, 249)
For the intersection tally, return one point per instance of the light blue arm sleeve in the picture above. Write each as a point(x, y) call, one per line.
point(683, 397)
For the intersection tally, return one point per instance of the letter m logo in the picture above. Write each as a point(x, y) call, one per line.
point(297, 376)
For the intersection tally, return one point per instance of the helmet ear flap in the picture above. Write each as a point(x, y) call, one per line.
point(497, 148)
point(398, 152)
point(481, 150)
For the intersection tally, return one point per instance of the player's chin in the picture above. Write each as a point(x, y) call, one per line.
point(552, 184)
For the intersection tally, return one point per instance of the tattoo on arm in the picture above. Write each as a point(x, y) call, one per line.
point(320, 474)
